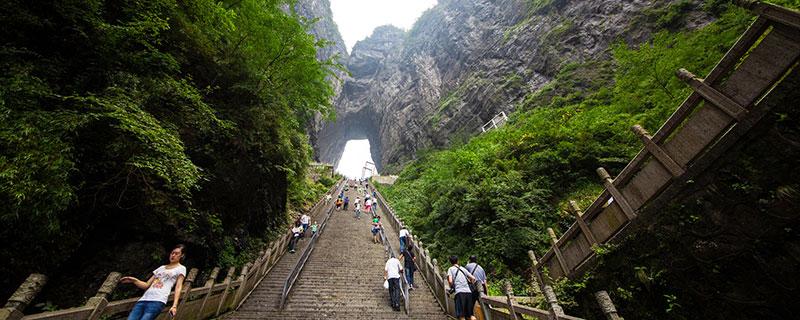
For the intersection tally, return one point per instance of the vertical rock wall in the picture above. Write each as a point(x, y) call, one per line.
point(465, 61)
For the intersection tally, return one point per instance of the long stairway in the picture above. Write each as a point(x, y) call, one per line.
point(343, 279)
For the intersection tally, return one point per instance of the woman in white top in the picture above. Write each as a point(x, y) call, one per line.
point(158, 288)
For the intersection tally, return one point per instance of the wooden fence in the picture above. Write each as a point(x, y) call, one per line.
point(202, 301)
point(721, 109)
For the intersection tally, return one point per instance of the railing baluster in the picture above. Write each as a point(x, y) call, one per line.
point(209, 287)
point(510, 300)
point(100, 300)
point(242, 285)
point(227, 282)
point(606, 305)
point(557, 250)
point(22, 297)
point(187, 288)
point(536, 279)
point(716, 98)
point(658, 153)
point(573, 207)
point(618, 198)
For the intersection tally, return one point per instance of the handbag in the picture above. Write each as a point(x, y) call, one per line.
point(386, 284)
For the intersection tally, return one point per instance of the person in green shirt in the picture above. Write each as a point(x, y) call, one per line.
point(376, 229)
point(314, 229)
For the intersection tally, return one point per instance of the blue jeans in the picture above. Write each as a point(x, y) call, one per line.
point(146, 310)
point(402, 243)
point(409, 275)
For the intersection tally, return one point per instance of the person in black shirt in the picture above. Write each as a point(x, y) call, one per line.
point(408, 259)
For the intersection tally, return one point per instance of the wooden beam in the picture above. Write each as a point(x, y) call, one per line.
point(716, 98)
point(554, 241)
point(658, 153)
point(573, 207)
point(618, 198)
point(772, 12)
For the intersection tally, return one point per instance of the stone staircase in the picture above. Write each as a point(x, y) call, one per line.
point(343, 279)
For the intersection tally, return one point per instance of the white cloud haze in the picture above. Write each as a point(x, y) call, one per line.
point(357, 18)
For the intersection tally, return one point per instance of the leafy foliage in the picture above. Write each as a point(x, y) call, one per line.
point(496, 195)
point(156, 120)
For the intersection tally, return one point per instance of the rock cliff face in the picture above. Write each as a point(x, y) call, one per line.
point(464, 61)
point(324, 28)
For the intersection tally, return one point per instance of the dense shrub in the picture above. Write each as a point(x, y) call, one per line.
point(153, 121)
point(496, 195)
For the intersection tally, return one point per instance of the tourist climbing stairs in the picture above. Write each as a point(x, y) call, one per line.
point(342, 279)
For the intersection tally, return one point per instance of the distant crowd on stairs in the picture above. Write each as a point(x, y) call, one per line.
point(467, 283)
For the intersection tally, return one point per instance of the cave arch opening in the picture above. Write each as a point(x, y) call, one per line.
point(356, 161)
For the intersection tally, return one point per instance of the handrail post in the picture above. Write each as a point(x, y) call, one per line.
point(536, 279)
point(561, 262)
point(509, 300)
point(573, 207)
point(242, 285)
point(555, 310)
point(227, 282)
point(209, 287)
point(618, 198)
point(187, 288)
point(21, 298)
point(606, 305)
point(100, 300)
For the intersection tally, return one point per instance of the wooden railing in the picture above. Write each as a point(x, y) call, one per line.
point(197, 302)
point(722, 108)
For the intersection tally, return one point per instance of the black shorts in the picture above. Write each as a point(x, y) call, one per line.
point(464, 304)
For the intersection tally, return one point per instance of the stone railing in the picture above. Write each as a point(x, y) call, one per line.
point(209, 299)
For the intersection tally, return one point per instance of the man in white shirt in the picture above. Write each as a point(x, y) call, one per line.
point(391, 272)
point(296, 231)
point(459, 278)
point(404, 237)
point(304, 220)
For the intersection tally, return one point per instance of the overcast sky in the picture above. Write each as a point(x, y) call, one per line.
point(355, 155)
point(357, 18)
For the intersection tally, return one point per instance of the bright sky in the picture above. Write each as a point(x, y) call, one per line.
point(357, 18)
point(355, 155)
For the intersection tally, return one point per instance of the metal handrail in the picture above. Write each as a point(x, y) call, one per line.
point(298, 267)
point(387, 247)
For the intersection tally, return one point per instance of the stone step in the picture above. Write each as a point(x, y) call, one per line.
point(343, 279)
